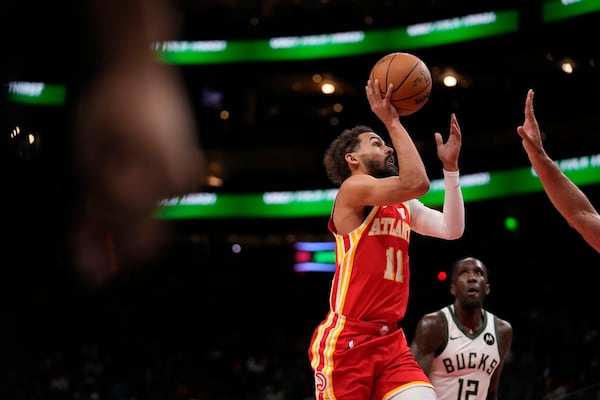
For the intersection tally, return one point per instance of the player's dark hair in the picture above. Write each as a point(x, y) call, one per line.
point(334, 160)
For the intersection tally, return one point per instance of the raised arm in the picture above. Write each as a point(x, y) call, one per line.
point(450, 222)
point(411, 168)
point(566, 197)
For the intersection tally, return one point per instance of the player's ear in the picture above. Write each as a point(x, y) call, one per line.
point(487, 288)
point(452, 289)
point(350, 159)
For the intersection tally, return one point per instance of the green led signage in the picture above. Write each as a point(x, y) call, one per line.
point(583, 170)
point(556, 10)
point(36, 93)
point(340, 44)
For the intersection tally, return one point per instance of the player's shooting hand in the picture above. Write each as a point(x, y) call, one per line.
point(381, 105)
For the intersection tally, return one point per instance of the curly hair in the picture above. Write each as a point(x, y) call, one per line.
point(334, 160)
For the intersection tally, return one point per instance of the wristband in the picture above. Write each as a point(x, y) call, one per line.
point(451, 178)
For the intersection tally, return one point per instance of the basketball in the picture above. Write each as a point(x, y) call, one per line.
point(411, 78)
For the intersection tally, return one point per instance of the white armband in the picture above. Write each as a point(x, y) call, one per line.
point(451, 179)
point(448, 223)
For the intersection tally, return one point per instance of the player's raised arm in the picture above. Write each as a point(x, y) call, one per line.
point(566, 197)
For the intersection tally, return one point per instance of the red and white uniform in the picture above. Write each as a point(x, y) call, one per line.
point(368, 299)
point(359, 351)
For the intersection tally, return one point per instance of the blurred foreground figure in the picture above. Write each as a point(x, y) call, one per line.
point(135, 139)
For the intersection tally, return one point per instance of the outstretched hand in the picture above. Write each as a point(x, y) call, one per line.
point(530, 130)
point(448, 152)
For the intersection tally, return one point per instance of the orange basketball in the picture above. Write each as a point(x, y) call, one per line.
point(411, 78)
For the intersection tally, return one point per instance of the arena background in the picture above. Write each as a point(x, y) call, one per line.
point(203, 322)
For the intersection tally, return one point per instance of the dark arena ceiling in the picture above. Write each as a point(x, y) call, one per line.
point(280, 123)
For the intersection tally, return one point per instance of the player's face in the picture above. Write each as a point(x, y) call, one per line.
point(470, 284)
point(377, 157)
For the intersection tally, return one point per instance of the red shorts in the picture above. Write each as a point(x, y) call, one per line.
point(361, 360)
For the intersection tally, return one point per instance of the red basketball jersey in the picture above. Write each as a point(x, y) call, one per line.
point(371, 281)
point(358, 351)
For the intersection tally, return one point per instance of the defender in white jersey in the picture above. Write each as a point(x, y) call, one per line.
point(462, 347)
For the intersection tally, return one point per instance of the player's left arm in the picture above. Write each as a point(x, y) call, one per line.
point(447, 224)
point(505, 333)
